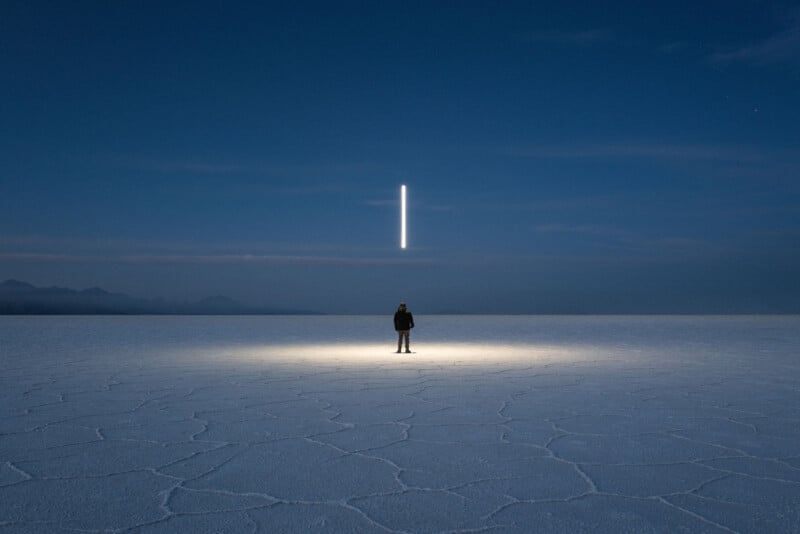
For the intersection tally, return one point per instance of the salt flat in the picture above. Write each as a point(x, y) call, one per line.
point(313, 424)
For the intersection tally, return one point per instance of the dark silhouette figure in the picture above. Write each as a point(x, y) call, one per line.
point(403, 323)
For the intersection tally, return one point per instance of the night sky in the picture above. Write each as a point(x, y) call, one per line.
point(560, 157)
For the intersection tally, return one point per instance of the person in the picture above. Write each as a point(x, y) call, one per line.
point(403, 323)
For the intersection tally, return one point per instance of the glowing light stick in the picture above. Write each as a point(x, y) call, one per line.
point(402, 216)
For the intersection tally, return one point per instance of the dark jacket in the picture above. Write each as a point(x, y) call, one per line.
point(403, 320)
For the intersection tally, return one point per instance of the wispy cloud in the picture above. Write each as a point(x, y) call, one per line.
point(44, 242)
point(777, 165)
point(53, 249)
point(382, 203)
point(586, 229)
point(219, 167)
point(206, 168)
point(638, 150)
point(207, 259)
point(422, 206)
point(569, 38)
point(673, 47)
point(627, 244)
point(780, 47)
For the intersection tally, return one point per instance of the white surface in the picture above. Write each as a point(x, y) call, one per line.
point(313, 424)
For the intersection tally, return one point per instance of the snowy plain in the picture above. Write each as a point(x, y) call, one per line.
point(313, 424)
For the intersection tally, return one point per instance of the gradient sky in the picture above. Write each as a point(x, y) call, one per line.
point(560, 157)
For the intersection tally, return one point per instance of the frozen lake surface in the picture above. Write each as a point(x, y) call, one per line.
point(313, 424)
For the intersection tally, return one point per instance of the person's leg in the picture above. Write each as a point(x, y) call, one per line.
point(408, 336)
point(399, 340)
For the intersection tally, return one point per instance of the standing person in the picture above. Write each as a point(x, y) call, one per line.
point(403, 323)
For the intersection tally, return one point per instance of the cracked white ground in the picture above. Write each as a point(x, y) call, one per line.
point(314, 424)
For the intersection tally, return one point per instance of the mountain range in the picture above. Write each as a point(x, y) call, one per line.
point(22, 298)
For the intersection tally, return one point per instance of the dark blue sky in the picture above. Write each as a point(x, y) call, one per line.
point(560, 157)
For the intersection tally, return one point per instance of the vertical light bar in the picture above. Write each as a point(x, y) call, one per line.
point(402, 216)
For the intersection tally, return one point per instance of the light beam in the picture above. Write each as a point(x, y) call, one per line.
point(403, 216)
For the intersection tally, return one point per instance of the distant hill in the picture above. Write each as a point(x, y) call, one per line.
point(18, 297)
